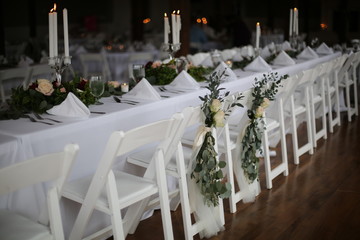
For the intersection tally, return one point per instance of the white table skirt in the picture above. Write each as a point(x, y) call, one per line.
point(34, 139)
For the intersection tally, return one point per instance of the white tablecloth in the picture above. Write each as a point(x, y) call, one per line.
point(28, 139)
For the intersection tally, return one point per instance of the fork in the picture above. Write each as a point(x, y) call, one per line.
point(34, 120)
point(42, 118)
point(118, 100)
point(163, 89)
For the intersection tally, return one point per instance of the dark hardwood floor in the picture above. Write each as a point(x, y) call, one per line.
point(320, 199)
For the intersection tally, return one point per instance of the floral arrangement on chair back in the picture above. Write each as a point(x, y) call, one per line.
point(207, 171)
point(265, 90)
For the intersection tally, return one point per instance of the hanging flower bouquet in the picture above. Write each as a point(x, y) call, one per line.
point(208, 170)
point(264, 91)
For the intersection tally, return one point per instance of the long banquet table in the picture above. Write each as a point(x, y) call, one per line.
point(22, 139)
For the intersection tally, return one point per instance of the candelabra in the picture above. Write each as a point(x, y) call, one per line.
point(59, 64)
point(171, 48)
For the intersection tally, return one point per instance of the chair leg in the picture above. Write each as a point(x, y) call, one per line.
point(313, 118)
point(267, 164)
point(308, 122)
point(116, 220)
point(283, 138)
point(294, 131)
point(323, 102)
point(164, 198)
point(337, 99)
point(330, 116)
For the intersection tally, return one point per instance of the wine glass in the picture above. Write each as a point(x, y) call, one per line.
point(138, 72)
point(97, 87)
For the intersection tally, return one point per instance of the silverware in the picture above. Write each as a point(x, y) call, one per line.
point(99, 112)
point(163, 89)
point(45, 118)
point(118, 100)
point(34, 120)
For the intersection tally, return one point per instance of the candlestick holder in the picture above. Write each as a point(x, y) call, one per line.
point(294, 41)
point(59, 64)
point(171, 48)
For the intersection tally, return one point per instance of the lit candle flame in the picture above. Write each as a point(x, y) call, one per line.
point(257, 24)
point(295, 9)
point(178, 12)
point(174, 12)
point(54, 8)
point(165, 15)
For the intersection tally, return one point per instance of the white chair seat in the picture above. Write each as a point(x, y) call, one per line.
point(129, 188)
point(141, 159)
point(299, 109)
point(271, 124)
point(17, 227)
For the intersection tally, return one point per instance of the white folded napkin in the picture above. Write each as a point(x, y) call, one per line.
point(143, 90)
point(207, 62)
point(70, 107)
point(286, 46)
point(265, 52)
point(229, 74)
point(247, 51)
point(258, 65)
point(283, 59)
point(25, 61)
point(307, 53)
point(184, 81)
point(237, 57)
point(324, 49)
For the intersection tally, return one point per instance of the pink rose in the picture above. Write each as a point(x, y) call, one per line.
point(45, 87)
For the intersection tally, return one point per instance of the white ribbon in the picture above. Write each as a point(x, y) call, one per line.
point(249, 190)
point(209, 215)
point(200, 135)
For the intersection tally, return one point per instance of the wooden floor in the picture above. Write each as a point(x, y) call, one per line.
point(320, 199)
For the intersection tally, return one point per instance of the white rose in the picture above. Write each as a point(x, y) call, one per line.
point(45, 87)
point(219, 119)
point(265, 103)
point(259, 112)
point(215, 105)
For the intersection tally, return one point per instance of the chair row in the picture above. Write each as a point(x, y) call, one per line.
point(110, 191)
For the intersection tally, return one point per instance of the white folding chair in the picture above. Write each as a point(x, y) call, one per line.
point(179, 168)
point(40, 71)
point(91, 62)
point(332, 93)
point(11, 78)
point(139, 58)
point(318, 100)
point(51, 167)
point(300, 108)
point(110, 191)
point(346, 81)
point(275, 129)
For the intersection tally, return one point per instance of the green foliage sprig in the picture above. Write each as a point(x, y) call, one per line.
point(208, 171)
point(158, 73)
point(264, 91)
point(199, 72)
point(36, 99)
point(242, 64)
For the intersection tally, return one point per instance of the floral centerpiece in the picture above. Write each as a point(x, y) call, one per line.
point(159, 73)
point(264, 91)
point(207, 170)
point(43, 94)
point(199, 72)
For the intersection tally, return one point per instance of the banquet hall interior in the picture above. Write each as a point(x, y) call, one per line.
point(179, 119)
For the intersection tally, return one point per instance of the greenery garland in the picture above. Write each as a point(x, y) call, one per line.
point(264, 91)
point(207, 170)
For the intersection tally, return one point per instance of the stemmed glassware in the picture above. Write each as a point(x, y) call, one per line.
point(97, 87)
point(138, 72)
